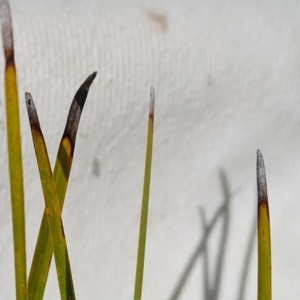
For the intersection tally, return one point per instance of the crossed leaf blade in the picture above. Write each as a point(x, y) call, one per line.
point(52, 206)
point(43, 251)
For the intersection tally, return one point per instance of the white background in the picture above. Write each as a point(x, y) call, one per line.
point(227, 81)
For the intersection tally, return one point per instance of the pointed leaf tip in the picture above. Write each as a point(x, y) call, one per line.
point(7, 34)
point(32, 113)
point(83, 90)
point(90, 79)
point(28, 98)
point(152, 92)
point(88, 82)
point(152, 101)
point(261, 178)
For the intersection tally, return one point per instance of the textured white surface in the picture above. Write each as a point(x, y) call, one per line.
point(227, 81)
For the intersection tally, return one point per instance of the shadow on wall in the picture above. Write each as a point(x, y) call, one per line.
point(212, 287)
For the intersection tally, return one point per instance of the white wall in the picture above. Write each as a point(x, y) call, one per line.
point(227, 81)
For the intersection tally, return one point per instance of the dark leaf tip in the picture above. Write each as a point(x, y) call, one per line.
point(76, 108)
point(83, 90)
point(152, 101)
point(32, 113)
point(6, 26)
point(261, 178)
point(91, 78)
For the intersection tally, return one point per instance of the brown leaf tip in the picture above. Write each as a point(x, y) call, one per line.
point(83, 90)
point(152, 101)
point(90, 79)
point(32, 114)
point(76, 109)
point(6, 26)
point(261, 178)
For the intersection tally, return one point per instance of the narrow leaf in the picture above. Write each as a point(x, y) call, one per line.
point(53, 210)
point(43, 251)
point(145, 203)
point(14, 152)
point(264, 239)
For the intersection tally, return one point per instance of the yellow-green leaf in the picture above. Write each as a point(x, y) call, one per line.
point(145, 203)
point(264, 238)
point(14, 153)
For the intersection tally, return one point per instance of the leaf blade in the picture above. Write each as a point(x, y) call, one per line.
point(14, 153)
point(145, 203)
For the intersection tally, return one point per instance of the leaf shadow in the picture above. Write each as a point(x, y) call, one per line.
point(212, 290)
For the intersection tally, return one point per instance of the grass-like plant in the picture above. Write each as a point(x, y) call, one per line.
point(53, 208)
point(54, 183)
point(43, 251)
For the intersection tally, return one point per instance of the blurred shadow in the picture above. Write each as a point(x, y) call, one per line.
point(249, 251)
point(205, 256)
point(211, 291)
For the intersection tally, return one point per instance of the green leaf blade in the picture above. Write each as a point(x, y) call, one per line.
point(145, 203)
